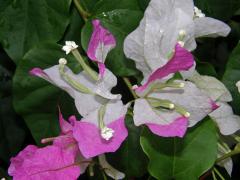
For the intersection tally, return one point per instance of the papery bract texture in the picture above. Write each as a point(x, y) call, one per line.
point(88, 133)
point(84, 102)
point(101, 43)
point(50, 162)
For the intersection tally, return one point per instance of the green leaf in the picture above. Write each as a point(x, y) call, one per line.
point(143, 4)
point(73, 32)
point(205, 68)
point(12, 135)
point(129, 158)
point(25, 23)
point(88, 5)
point(37, 100)
point(181, 159)
point(110, 5)
point(220, 9)
point(232, 76)
point(120, 26)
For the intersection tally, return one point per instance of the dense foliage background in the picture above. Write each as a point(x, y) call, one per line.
point(30, 34)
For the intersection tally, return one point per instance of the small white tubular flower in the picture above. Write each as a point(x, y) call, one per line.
point(62, 61)
point(198, 13)
point(238, 86)
point(69, 46)
point(181, 43)
point(107, 133)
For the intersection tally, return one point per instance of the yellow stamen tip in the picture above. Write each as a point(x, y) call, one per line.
point(171, 106)
point(62, 61)
point(181, 85)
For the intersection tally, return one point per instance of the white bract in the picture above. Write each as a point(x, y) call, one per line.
point(69, 46)
point(223, 116)
point(165, 23)
point(96, 94)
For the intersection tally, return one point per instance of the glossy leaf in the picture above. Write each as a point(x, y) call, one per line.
point(181, 159)
point(120, 26)
point(130, 158)
point(232, 76)
point(73, 32)
point(35, 99)
point(110, 5)
point(25, 23)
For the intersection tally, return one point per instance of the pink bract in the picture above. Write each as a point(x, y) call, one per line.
point(92, 144)
point(177, 128)
point(101, 42)
point(181, 61)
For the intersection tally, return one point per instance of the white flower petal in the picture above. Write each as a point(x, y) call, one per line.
point(134, 49)
point(143, 114)
point(212, 86)
point(227, 122)
point(114, 110)
point(109, 170)
point(189, 73)
point(85, 103)
point(210, 27)
point(186, 5)
point(197, 103)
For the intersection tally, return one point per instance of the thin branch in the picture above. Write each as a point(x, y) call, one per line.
point(129, 85)
point(81, 10)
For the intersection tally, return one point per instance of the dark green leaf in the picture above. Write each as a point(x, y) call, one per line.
point(73, 32)
point(37, 100)
point(24, 23)
point(220, 9)
point(181, 159)
point(232, 76)
point(12, 135)
point(130, 158)
point(205, 68)
point(110, 5)
point(117, 23)
point(143, 4)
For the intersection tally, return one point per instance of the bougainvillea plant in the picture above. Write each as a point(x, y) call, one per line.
point(128, 74)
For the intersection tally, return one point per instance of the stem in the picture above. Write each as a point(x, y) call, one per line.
point(129, 85)
point(228, 155)
point(80, 9)
point(219, 174)
point(214, 176)
point(85, 67)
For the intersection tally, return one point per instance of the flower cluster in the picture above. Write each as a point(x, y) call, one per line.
point(172, 96)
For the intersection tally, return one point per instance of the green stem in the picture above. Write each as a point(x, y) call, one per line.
point(214, 175)
point(219, 174)
point(85, 67)
point(80, 9)
point(129, 85)
point(228, 155)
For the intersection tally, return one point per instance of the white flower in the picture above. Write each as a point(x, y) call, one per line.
point(107, 133)
point(226, 120)
point(62, 61)
point(238, 86)
point(198, 13)
point(69, 46)
point(177, 21)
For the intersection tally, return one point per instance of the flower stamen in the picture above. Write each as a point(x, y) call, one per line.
point(106, 133)
point(75, 84)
